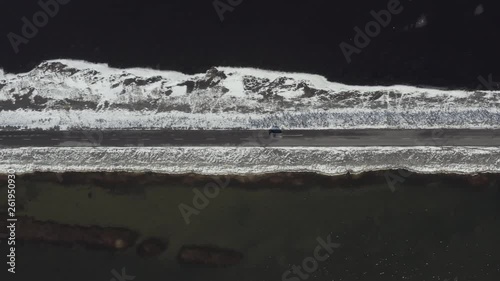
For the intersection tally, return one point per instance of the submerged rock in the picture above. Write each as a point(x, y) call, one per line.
point(94, 237)
point(208, 256)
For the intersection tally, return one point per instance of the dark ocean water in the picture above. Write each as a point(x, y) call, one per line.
point(426, 230)
point(446, 43)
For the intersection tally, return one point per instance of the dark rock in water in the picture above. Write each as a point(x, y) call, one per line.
point(208, 256)
point(92, 237)
point(151, 247)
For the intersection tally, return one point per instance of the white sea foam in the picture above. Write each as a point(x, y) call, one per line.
point(68, 93)
point(251, 160)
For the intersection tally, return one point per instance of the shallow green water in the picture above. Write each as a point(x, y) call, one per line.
point(428, 232)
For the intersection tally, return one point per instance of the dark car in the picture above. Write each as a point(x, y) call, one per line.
point(275, 131)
